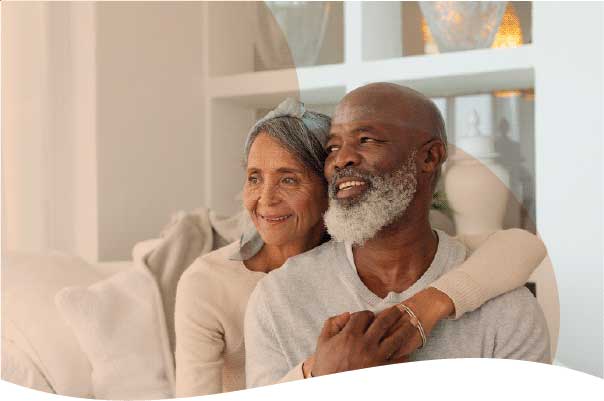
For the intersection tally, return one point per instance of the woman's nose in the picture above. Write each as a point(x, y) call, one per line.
point(269, 195)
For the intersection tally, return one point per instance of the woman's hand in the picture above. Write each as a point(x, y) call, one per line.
point(430, 306)
point(307, 366)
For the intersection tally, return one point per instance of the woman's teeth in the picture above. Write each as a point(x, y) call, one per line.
point(350, 184)
point(281, 218)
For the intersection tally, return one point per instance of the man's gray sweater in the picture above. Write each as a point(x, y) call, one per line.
point(287, 310)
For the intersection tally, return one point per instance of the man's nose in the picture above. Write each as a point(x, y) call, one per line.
point(347, 156)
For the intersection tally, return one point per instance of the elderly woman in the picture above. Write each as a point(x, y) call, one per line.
point(285, 195)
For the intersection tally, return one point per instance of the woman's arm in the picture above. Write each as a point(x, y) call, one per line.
point(501, 262)
point(199, 339)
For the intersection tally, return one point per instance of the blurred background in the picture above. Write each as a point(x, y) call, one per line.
point(117, 115)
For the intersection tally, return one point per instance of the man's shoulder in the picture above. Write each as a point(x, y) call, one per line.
point(455, 251)
point(513, 310)
point(306, 265)
point(512, 301)
point(298, 278)
point(327, 249)
point(518, 325)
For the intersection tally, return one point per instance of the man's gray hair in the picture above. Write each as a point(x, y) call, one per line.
point(303, 133)
point(438, 131)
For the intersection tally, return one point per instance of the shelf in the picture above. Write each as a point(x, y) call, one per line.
point(320, 84)
point(448, 74)
point(458, 73)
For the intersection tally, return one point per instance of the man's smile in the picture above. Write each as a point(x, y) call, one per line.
point(350, 187)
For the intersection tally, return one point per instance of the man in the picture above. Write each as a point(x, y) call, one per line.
point(385, 151)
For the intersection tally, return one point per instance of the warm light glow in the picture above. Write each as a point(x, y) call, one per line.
point(510, 32)
point(508, 35)
point(430, 46)
point(527, 94)
point(508, 93)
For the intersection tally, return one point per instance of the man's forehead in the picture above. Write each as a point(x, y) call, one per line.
point(352, 111)
point(351, 116)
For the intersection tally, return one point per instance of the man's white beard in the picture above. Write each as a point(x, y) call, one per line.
point(386, 199)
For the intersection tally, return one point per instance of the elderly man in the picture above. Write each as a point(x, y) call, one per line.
point(385, 151)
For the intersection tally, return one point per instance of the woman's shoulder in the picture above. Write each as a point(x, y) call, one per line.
point(216, 262)
point(216, 271)
point(214, 281)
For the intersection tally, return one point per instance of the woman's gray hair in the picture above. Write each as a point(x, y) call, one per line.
point(303, 133)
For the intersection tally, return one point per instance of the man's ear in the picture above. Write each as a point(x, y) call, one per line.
point(433, 153)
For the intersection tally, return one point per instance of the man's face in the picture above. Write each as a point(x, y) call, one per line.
point(371, 171)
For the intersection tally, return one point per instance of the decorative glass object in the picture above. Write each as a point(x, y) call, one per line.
point(459, 26)
point(430, 46)
point(301, 23)
point(510, 31)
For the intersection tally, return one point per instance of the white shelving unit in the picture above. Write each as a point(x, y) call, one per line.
point(446, 74)
point(372, 44)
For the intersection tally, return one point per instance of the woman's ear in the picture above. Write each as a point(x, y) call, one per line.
point(433, 154)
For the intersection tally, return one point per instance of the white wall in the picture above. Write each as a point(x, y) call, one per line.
point(149, 119)
point(568, 136)
point(24, 83)
point(103, 113)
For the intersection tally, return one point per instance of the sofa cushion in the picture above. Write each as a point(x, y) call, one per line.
point(32, 322)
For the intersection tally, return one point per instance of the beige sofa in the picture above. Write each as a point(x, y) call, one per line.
point(39, 350)
point(73, 346)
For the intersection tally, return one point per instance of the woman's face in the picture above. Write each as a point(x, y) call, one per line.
point(285, 200)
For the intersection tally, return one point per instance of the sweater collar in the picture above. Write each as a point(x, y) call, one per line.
point(435, 270)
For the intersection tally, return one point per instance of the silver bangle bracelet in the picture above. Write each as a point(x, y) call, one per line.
point(414, 322)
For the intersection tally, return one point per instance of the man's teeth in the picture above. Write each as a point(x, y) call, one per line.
point(350, 184)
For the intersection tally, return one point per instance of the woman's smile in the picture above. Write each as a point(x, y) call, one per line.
point(274, 218)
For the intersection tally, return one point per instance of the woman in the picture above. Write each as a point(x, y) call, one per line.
point(285, 196)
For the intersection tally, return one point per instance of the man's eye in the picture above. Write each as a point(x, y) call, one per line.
point(252, 179)
point(289, 180)
point(366, 139)
point(332, 148)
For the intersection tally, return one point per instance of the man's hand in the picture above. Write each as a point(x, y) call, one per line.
point(364, 340)
point(411, 337)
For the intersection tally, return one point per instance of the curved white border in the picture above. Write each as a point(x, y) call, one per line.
point(474, 379)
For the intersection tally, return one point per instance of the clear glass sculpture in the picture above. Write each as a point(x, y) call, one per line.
point(303, 23)
point(459, 26)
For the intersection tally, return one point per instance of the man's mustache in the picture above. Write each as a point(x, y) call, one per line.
point(349, 172)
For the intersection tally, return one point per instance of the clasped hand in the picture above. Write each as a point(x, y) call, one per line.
point(363, 339)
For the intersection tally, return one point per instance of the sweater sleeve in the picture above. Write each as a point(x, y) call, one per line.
point(199, 339)
point(265, 362)
point(296, 373)
point(501, 262)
